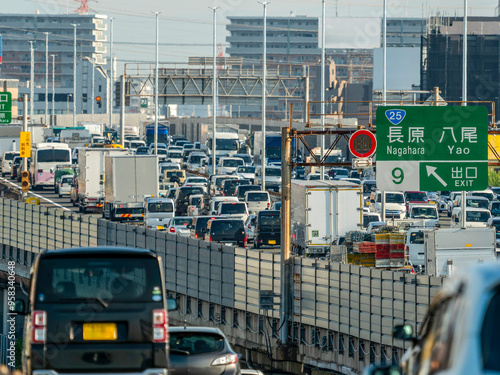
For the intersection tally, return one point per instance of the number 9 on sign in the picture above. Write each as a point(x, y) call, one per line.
point(398, 175)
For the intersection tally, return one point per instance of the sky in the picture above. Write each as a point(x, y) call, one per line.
point(185, 26)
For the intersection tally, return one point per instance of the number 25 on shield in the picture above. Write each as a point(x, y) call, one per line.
point(398, 175)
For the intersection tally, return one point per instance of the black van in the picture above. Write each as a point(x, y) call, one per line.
point(267, 229)
point(227, 231)
point(96, 310)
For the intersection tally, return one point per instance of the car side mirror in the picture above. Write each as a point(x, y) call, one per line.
point(19, 307)
point(403, 332)
point(171, 304)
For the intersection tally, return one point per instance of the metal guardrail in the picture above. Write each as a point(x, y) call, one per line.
point(343, 314)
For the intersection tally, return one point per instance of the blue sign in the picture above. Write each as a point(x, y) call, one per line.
point(395, 116)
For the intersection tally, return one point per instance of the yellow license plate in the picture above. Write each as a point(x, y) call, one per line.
point(160, 227)
point(272, 242)
point(99, 331)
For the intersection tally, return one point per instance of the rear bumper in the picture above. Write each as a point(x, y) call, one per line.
point(152, 371)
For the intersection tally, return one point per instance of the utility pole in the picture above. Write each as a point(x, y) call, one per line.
point(214, 93)
point(122, 111)
point(286, 259)
point(46, 77)
point(112, 73)
point(74, 74)
point(53, 86)
point(93, 88)
point(384, 80)
point(32, 84)
point(264, 72)
point(25, 129)
point(323, 39)
point(157, 14)
point(464, 103)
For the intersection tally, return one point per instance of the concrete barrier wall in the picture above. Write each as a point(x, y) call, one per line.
point(343, 315)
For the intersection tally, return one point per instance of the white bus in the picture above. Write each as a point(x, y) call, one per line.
point(44, 158)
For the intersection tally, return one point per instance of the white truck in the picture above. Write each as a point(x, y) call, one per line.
point(322, 212)
point(227, 141)
point(449, 250)
point(129, 180)
point(91, 176)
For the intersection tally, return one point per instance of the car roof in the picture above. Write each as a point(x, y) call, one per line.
point(195, 329)
point(98, 250)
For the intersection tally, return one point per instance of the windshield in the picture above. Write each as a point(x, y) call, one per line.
point(187, 191)
point(478, 216)
point(194, 180)
point(53, 155)
point(196, 342)
point(67, 180)
point(417, 237)
point(245, 170)
point(227, 228)
point(9, 156)
point(141, 151)
point(112, 279)
point(196, 158)
point(424, 213)
point(495, 209)
point(233, 208)
point(272, 220)
point(488, 196)
point(257, 197)
point(273, 153)
point(341, 172)
point(226, 144)
point(316, 176)
point(161, 207)
point(195, 201)
point(232, 163)
point(174, 154)
point(220, 181)
point(175, 173)
point(243, 189)
point(246, 158)
point(369, 187)
point(416, 196)
point(477, 203)
point(182, 221)
point(394, 198)
point(273, 172)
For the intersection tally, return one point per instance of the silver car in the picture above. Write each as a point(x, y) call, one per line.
point(459, 334)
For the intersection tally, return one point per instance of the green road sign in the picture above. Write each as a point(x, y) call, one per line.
point(5, 107)
point(144, 102)
point(432, 148)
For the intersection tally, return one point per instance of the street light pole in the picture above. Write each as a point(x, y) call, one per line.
point(53, 85)
point(157, 14)
point(74, 74)
point(264, 72)
point(214, 93)
point(92, 89)
point(384, 55)
point(323, 39)
point(464, 100)
point(111, 74)
point(46, 77)
point(32, 84)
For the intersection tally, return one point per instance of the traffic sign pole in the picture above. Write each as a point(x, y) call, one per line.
point(25, 129)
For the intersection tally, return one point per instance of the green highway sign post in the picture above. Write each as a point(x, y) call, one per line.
point(144, 102)
point(5, 107)
point(432, 148)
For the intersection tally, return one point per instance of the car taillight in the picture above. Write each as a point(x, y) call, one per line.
point(160, 323)
point(172, 230)
point(38, 327)
point(268, 204)
point(228, 359)
point(196, 235)
point(210, 238)
point(245, 242)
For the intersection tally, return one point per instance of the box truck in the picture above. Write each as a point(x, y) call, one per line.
point(91, 176)
point(322, 212)
point(451, 249)
point(128, 181)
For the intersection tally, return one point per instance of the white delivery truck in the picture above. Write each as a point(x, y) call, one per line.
point(91, 176)
point(449, 250)
point(323, 211)
point(129, 180)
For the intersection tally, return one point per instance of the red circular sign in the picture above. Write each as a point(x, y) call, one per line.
point(362, 143)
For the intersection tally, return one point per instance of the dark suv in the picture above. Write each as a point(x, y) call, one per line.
point(267, 229)
point(96, 310)
point(226, 231)
point(229, 186)
point(182, 198)
point(242, 189)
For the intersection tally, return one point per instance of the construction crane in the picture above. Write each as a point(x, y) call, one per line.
point(84, 7)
